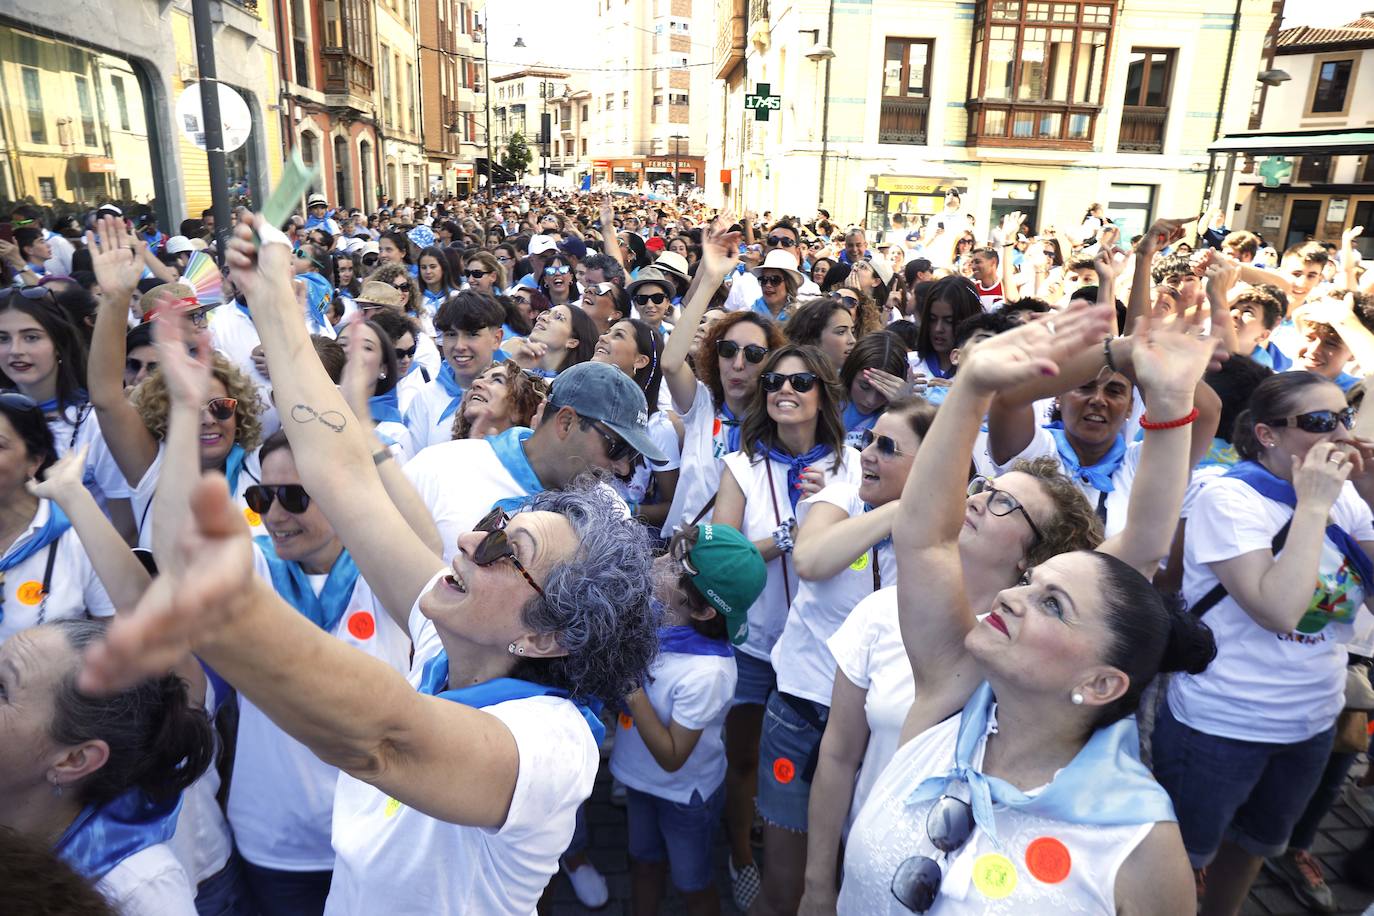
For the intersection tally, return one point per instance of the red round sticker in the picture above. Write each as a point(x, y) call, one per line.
point(625, 721)
point(1048, 860)
point(30, 592)
point(361, 625)
point(784, 770)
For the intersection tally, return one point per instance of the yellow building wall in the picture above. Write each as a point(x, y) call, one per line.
point(195, 171)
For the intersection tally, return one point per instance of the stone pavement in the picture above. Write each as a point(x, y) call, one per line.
point(1341, 832)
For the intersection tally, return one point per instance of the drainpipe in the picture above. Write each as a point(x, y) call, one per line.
point(1221, 107)
point(825, 103)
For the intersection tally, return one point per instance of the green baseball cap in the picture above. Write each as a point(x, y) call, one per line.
point(730, 573)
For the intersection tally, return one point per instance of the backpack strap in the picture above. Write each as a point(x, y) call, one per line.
point(1210, 600)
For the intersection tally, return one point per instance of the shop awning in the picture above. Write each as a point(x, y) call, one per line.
point(1297, 143)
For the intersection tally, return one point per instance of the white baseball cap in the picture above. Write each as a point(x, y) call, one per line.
point(178, 244)
point(542, 243)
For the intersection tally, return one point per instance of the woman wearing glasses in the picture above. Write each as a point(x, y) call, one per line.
point(791, 446)
point(843, 554)
point(483, 758)
point(563, 336)
point(1276, 556)
point(485, 274)
point(652, 296)
point(556, 281)
point(1017, 786)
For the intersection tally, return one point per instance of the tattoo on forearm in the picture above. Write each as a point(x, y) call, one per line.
point(304, 413)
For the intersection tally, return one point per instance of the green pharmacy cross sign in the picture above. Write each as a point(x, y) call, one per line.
point(1274, 170)
point(761, 102)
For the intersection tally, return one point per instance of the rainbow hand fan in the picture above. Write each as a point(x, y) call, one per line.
point(202, 275)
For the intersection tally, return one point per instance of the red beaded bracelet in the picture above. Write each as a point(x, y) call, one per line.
point(1169, 424)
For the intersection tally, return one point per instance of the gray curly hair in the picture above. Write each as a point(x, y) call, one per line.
point(597, 602)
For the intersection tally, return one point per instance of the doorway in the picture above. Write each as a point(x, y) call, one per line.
point(1302, 222)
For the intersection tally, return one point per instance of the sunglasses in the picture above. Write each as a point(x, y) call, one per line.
point(601, 289)
point(32, 292)
point(17, 401)
point(785, 241)
point(370, 260)
point(407, 354)
point(134, 366)
point(221, 408)
point(474, 274)
point(1001, 503)
point(771, 280)
point(557, 270)
point(916, 883)
point(646, 298)
point(1317, 421)
point(887, 446)
point(503, 260)
point(292, 497)
point(726, 349)
point(839, 296)
point(801, 382)
point(616, 447)
point(496, 545)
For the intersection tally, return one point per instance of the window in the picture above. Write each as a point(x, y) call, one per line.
point(386, 85)
point(906, 90)
point(1149, 83)
point(625, 99)
point(1332, 85)
point(584, 111)
point(83, 100)
point(1314, 169)
point(584, 146)
point(121, 102)
point(410, 94)
point(33, 101)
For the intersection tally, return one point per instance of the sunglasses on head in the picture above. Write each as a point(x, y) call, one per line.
point(646, 298)
point(841, 296)
point(887, 446)
point(602, 289)
point(496, 545)
point(292, 497)
point(801, 382)
point(1317, 421)
point(555, 270)
point(221, 408)
point(726, 349)
point(32, 292)
point(916, 883)
point(771, 280)
point(134, 365)
point(475, 274)
point(17, 401)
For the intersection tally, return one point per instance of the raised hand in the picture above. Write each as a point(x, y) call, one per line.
point(186, 372)
point(1319, 475)
point(720, 248)
point(261, 270)
point(1170, 357)
point(1104, 263)
point(1162, 233)
point(894, 388)
point(1349, 236)
point(116, 258)
point(1011, 224)
point(63, 477)
point(1330, 311)
point(1035, 348)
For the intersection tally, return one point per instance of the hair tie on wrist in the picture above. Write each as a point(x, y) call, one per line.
point(1145, 422)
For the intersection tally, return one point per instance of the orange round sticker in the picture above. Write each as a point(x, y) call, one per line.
point(1048, 860)
point(254, 520)
point(30, 593)
point(361, 625)
point(625, 721)
point(784, 770)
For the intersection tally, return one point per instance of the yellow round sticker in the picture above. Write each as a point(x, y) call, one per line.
point(30, 593)
point(253, 518)
point(994, 875)
point(861, 563)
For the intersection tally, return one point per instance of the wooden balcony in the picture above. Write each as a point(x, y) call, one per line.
point(1045, 125)
point(903, 120)
point(346, 73)
point(1142, 129)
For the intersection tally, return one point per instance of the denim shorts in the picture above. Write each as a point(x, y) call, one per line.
point(756, 680)
point(683, 834)
point(788, 752)
point(1247, 792)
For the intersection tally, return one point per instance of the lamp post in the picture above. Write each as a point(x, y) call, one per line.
point(676, 138)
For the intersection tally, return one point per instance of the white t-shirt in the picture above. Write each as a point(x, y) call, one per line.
point(74, 590)
point(801, 657)
point(143, 494)
point(1116, 502)
point(151, 882)
point(78, 426)
point(664, 435)
point(424, 417)
point(869, 651)
point(394, 859)
point(458, 481)
point(1263, 686)
point(281, 797)
point(768, 614)
point(704, 445)
point(409, 386)
point(202, 842)
point(694, 691)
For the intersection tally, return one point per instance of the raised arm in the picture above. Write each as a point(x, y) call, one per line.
point(1011, 227)
point(1350, 258)
point(332, 449)
point(610, 240)
point(184, 358)
point(117, 264)
point(1220, 276)
point(718, 258)
point(830, 539)
point(1161, 234)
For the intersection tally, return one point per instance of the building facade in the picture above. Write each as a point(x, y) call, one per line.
point(520, 100)
point(453, 83)
point(396, 100)
point(1042, 106)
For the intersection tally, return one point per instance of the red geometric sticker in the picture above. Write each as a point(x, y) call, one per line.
point(1048, 860)
point(784, 770)
point(625, 721)
point(361, 625)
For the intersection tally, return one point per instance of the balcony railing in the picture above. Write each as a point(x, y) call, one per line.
point(1048, 125)
point(346, 73)
point(1142, 129)
point(903, 120)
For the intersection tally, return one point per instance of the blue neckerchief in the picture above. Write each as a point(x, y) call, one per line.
point(1098, 476)
point(541, 373)
point(385, 408)
point(1105, 785)
point(57, 406)
point(243, 307)
point(292, 583)
point(319, 293)
point(1220, 454)
point(762, 308)
point(56, 526)
point(1266, 484)
point(1346, 381)
point(434, 680)
point(449, 382)
point(795, 465)
point(233, 467)
point(687, 641)
point(432, 298)
point(932, 363)
point(509, 447)
point(1271, 357)
point(103, 836)
point(731, 424)
point(855, 419)
point(885, 542)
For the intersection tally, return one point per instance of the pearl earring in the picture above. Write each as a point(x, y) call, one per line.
point(1076, 698)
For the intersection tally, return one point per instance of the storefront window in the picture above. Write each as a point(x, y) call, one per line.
point(80, 135)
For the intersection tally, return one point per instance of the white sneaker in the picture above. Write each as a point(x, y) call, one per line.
point(588, 884)
point(1361, 801)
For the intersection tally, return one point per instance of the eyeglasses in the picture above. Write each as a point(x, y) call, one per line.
point(916, 883)
point(475, 274)
point(403, 287)
point(801, 382)
point(408, 353)
point(370, 260)
point(1002, 503)
point(771, 280)
point(134, 366)
point(1317, 421)
point(786, 241)
point(221, 408)
point(839, 296)
point(887, 446)
point(503, 260)
point(726, 349)
point(496, 545)
point(646, 298)
point(616, 447)
point(292, 497)
point(556, 270)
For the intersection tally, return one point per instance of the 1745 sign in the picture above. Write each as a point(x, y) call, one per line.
point(761, 102)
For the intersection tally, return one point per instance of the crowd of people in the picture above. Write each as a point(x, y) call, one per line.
point(954, 570)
